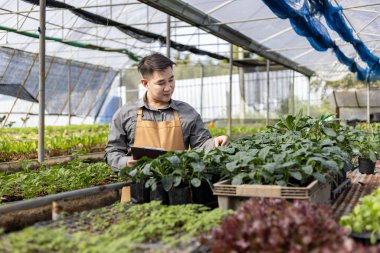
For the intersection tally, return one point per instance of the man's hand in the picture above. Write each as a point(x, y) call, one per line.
point(221, 140)
point(131, 162)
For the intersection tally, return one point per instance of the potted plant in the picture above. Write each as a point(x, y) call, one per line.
point(139, 193)
point(367, 148)
point(188, 174)
point(171, 177)
point(362, 222)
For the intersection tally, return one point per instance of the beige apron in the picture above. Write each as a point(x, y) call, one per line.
point(166, 134)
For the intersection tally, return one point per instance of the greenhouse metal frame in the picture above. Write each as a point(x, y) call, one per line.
point(115, 34)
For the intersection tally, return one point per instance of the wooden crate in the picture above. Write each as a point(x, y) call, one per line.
point(230, 196)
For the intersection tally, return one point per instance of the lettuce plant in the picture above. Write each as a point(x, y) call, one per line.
point(275, 225)
point(365, 217)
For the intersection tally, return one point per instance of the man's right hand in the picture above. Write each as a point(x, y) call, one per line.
point(131, 162)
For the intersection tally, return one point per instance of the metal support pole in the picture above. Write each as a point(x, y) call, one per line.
point(120, 85)
point(242, 94)
point(337, 113)
point(18, 10)
point(267, 98)
point(69, 91)
point(168, 37)
point(229, 101)
point(293, 109)
point(368, 103)
point(202, 83)
point(41, 121)
point(308, 96)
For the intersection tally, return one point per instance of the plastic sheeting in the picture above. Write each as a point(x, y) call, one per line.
point(89, 84)
point(16, 90)
point(302, 16)
point(346, 30)
point(352, 104)
point(356, 98)
point(313, 33)
point(85, 30)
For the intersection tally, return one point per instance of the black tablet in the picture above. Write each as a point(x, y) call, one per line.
point(138, 152)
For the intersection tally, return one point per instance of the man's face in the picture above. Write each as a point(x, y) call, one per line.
point(160, 85)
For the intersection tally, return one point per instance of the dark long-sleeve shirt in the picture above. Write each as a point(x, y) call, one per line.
point(122, 132)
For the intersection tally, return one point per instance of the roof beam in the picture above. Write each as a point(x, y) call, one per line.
point(195, 17)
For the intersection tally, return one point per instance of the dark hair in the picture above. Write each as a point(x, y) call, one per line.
point(152, 63)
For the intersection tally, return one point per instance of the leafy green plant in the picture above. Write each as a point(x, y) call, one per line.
point(367, 146)
point(171, 170)
point(284, 159)
point(152, 223)
point(295, 151)
point(365, 217)
point(21, 143)
point(49, 180)
point(373, 128)
point(237, 131)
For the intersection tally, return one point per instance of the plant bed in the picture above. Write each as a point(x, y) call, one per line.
point(16, 166)
point(230, 196)
point(25, 213)
point(121, 227)
point(21, 143)
point(40, 182)
point(264, 225)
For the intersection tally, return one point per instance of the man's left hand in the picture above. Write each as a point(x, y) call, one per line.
point(221, 140)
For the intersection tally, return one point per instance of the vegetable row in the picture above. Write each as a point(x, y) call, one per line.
point(293, 152)
point(259, 225)
point(31, 183)
point(22, 143)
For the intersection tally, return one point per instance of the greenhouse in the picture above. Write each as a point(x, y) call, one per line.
point(189, 126)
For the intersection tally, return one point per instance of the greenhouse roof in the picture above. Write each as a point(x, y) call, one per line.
point(328, 38)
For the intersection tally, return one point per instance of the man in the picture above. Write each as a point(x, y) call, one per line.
point(157, 120)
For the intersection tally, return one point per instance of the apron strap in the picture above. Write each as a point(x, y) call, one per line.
point(139, 115)
point(176, 117)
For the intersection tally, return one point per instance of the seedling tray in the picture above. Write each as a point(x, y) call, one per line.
point(230, 196)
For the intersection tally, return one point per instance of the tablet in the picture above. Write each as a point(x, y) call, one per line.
point(138, 152)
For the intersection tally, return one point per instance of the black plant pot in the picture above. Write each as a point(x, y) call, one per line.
point(366, 166)
point(139, 193)
point(160, 195)
point(375, 117)
point(352, 122)
point(365, 238)
point(203, 194)
point(180, 195)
